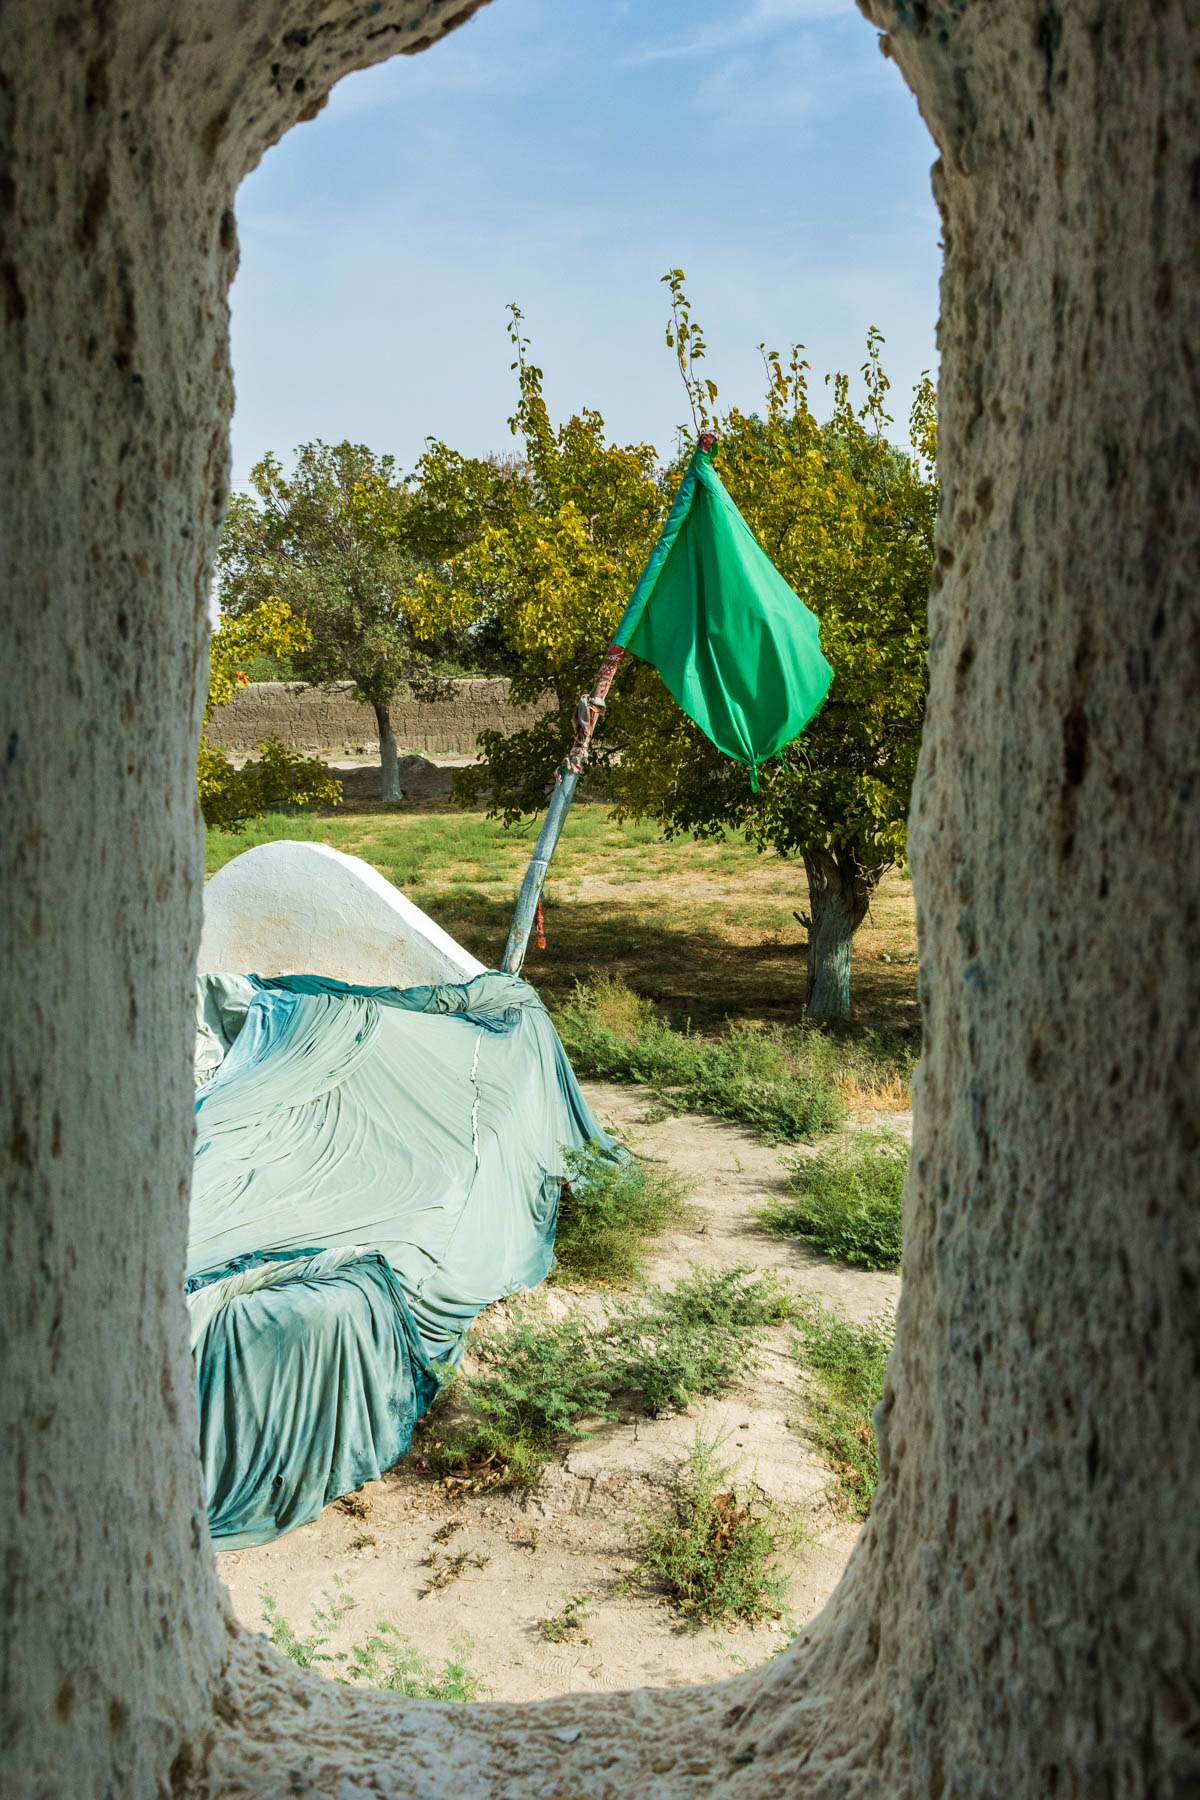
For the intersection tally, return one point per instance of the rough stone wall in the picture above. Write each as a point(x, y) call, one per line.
point(330, 719)
point(1020, 1618)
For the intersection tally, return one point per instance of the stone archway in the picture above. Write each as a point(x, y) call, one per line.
point(1021, 1615)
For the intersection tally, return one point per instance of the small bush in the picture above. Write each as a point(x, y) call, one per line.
point(538, 1381)
point(607, 1211)
point(783, 1083)
point(716, 1552)
point(537, 1378)
point(848, 1362)
point(279, 781)
point(845, 1200)
point(701, 1338)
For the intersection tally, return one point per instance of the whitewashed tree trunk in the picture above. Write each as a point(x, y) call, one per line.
point(389, 758)
point(1020, 1619)
point(839, 896)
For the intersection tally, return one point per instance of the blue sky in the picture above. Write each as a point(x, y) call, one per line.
point(564, 154)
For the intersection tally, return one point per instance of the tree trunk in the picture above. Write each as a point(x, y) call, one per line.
point(389, 758)
point(839, 893)
point(1020, 1618)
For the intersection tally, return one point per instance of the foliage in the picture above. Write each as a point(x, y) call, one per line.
point(607, 1211)
point(547, 553)
point(280, 778)
point(567, 1624)
point(781, 1082)
point(541, 1380)
point(700, 1338)
point(387, 1660)
point(845, 1200)
point(330, 540)
point(391, 1661)
point(848, 1363)
point(538, 1380)
point(543, 551)
point(716, 1551)
point(308, 1652)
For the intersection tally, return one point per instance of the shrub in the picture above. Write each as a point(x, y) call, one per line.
point(607, 1210)
point(280, 780)
point(701, 1338)
point(783, 1083)
point(715, 1551)
point(848, 1362)
point(845, 1200)
point(537, 1378)
point(538, 1381)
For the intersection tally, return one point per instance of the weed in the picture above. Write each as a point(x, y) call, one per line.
point(537, 1379)
point(875, 1067)
point(355, 1505)
point(607, 1211)
point(534, 1382)
point(848, 1362)
point(540, 1380)
point(845, 1200)
point(701, 1338)
point(391, 1661)
point(307, 1652)
point(567, 1623)
point(387, 1659)
point(780, 1082)
point(715, 1551)
point(444, 1574)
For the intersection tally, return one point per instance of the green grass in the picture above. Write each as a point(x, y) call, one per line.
point(607, 1212)
point(780, 1082)
point(543, 1382)
point(715, 1551)
point(706, 932)
point(386, 1660)
point(845, 1200)
point(847, 1363)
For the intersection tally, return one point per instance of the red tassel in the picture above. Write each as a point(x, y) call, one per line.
point(540, 929)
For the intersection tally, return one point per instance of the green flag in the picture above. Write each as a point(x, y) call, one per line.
point(737, 648)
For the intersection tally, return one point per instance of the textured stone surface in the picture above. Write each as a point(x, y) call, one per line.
point(1020, 1618)
point(329, 719)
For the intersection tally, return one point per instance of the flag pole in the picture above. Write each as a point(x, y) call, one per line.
point(566, 779)
point(587, 716)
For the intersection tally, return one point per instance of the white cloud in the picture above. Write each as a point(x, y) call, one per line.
point(753, 24)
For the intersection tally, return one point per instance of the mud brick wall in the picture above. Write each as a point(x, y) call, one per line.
point(330, 719)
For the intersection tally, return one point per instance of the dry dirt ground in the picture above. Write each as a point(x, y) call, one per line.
point(582, 1531)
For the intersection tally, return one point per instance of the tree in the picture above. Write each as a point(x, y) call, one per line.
point(1019, 1618)
point(280, 777)
point(551, 558)
point(540, 551)
point(848, 520)
point(328, 540)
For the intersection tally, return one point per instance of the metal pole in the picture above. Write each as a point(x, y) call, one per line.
point(587, 716)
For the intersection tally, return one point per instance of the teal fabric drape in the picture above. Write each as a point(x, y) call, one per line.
point(423, 1129)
